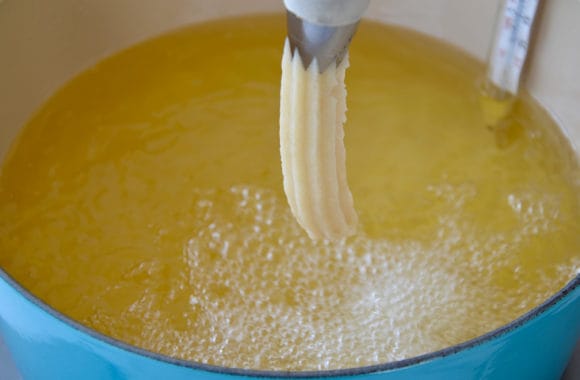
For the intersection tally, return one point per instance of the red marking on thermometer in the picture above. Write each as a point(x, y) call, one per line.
point(510, 45)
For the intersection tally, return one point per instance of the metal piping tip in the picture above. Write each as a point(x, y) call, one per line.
point(327, 44)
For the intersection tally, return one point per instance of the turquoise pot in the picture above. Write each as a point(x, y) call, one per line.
point(47, 345)
point(44, 43)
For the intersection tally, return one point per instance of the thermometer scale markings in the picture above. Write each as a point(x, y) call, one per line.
point(511, 43)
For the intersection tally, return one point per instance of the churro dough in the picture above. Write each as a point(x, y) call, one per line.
point(312, 114)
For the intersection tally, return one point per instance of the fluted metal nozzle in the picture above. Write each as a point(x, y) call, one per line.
point(325, 43)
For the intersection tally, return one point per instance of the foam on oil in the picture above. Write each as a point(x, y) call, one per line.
point(145, 200)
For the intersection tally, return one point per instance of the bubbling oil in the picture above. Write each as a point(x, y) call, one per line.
point(145, 200)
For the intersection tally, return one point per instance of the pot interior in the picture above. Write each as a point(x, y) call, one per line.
point(44, 44)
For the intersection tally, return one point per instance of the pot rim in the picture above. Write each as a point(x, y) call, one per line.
point(532, 314)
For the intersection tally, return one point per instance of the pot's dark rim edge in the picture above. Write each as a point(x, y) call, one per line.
point(523, 319)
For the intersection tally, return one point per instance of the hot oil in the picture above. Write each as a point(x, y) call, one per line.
point(145, 200)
